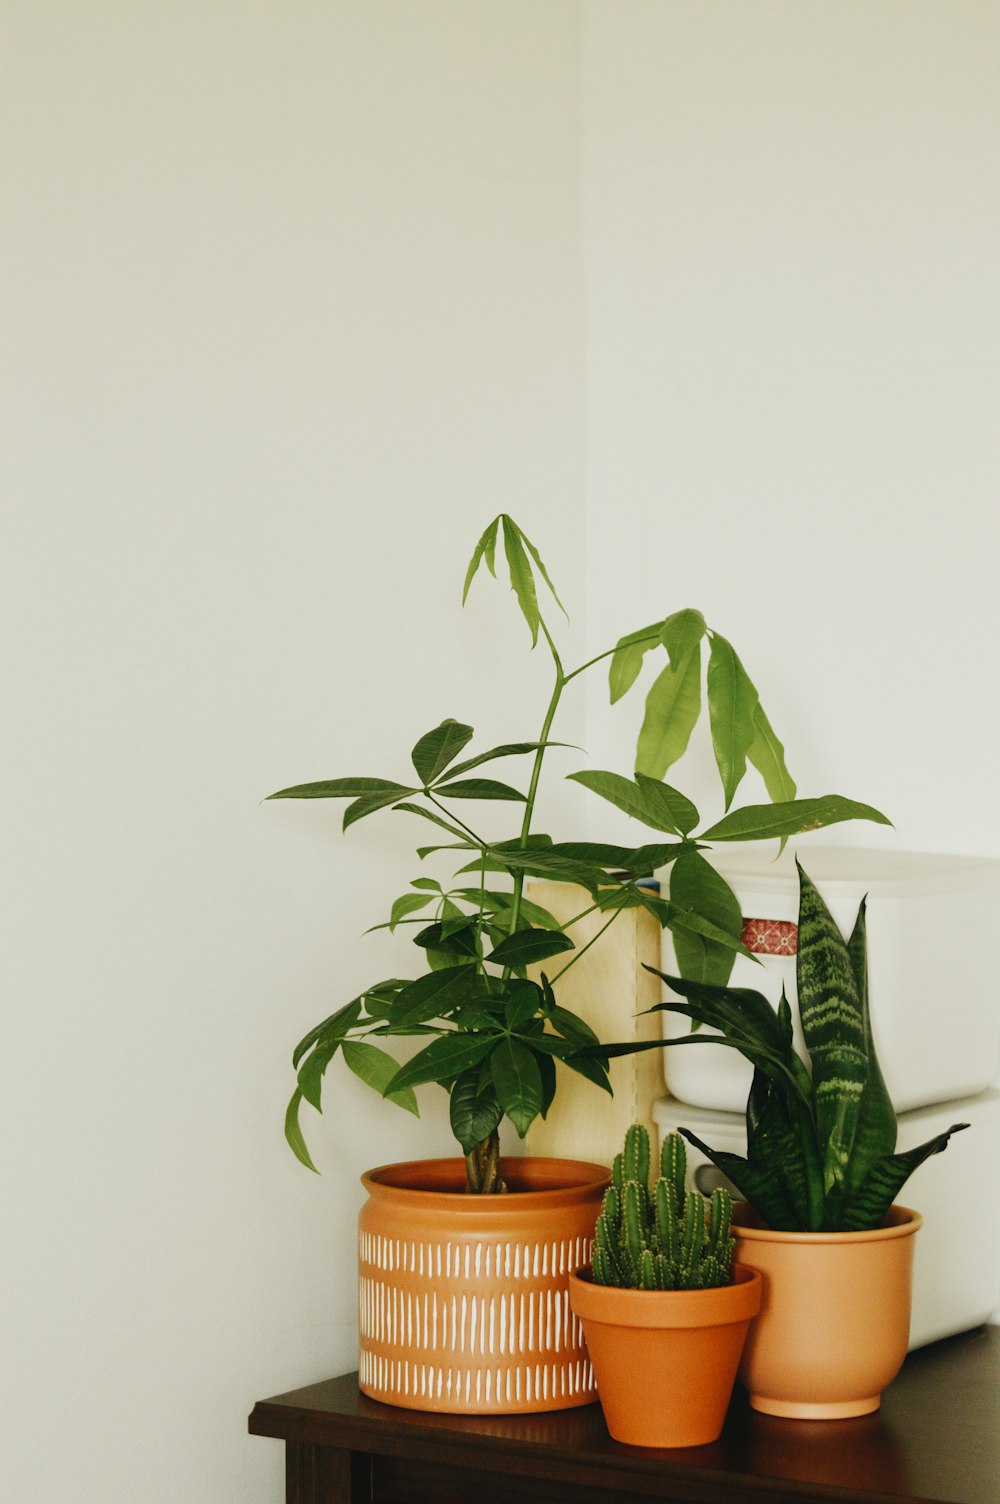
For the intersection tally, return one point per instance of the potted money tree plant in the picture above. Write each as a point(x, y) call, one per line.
point(820, 1177)
point(449, 1248)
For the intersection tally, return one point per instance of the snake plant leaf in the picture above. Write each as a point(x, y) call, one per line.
point(781, 1140)
point(345, 788)
point(293, 1132)
point(484, 549)
point(376, 1068)
point(886, 1178)
point(626, 660)
point(834, 1031)
point(528, 945)
point(474, 1109)
point(672, 708)
point(437, 748)
point(445, 1058)
point(521, 579)
point(680, 633)
point(478, 788)
point(762, 822)
point(696, 885)
point(518, 1082)
point(669, 801)
point(753, 1183)
point(732, 699)
point(875, 1133)
point(746, 1021)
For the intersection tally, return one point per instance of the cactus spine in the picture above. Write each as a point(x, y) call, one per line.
point(665, 1238)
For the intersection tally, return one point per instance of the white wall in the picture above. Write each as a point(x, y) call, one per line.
point(793, 314)
point(296, 303)
point(292, 310)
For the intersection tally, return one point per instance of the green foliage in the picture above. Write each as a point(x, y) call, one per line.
point(664, 1237)
point(494, 1034)
point(821, 1137)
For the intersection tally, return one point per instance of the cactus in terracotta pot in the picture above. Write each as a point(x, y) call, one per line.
point(661, 1238)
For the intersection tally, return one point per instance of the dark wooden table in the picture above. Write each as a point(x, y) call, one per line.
point(936, 1440)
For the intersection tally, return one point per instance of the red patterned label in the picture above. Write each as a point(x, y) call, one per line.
point(770, 937)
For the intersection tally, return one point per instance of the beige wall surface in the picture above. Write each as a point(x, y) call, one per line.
point(295, 298)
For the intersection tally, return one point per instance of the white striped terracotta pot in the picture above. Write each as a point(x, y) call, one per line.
point(464, 1300)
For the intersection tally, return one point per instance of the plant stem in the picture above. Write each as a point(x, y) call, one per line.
point(482, 1167)
point(536, 773)
point(584, 948)
point(649, 637)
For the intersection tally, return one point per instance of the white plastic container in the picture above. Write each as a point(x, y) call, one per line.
point(932, 972)
point(956, 1275)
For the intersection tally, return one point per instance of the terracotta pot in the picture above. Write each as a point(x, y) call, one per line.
point(464, 1300)
point(835, 1315)
point(665, 1360)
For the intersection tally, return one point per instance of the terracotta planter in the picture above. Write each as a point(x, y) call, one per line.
point(665, 1360)
point(834, 1319)
point(464, 1300)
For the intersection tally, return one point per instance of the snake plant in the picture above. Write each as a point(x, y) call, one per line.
point(660, 1238)
point(821, 1138)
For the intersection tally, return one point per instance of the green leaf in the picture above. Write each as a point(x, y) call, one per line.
point(417, 809)
point(334, 1027)
point(781, 1141)
point(768, 757)
point(533, 551)
point(754, 1183)
point(571, 1027)
point(887, 1178)
point(524, 1001)
point(502, 903)
point(293, 1133)
point(639, 861)
point(669, 804)
point(547, 1071)
point(460, 941)
point(344, 788)
point(732, 699)
point(484, 549)
point(626, 795)
point(626, 661)
point(478, 788)
point(526, 946)
point(695, 885)
point(368, 805)
point(431, 884)
point(875, 1133)
point(376, 1069)
point(474, 1109)
point(408, 903)
point(509, 749)
point(432, 995)
point(680, 633)
point(764, 822)
point(834, 1032)
point(442, 1060)
point(521, 579)
point(518, 1083)
point(438, 748)
point(672, 708)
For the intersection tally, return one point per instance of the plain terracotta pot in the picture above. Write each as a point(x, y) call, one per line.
point(464, 1300)
point(665, 1360)
point(835, 1315)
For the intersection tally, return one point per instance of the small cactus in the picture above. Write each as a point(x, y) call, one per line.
point(666, 1238)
